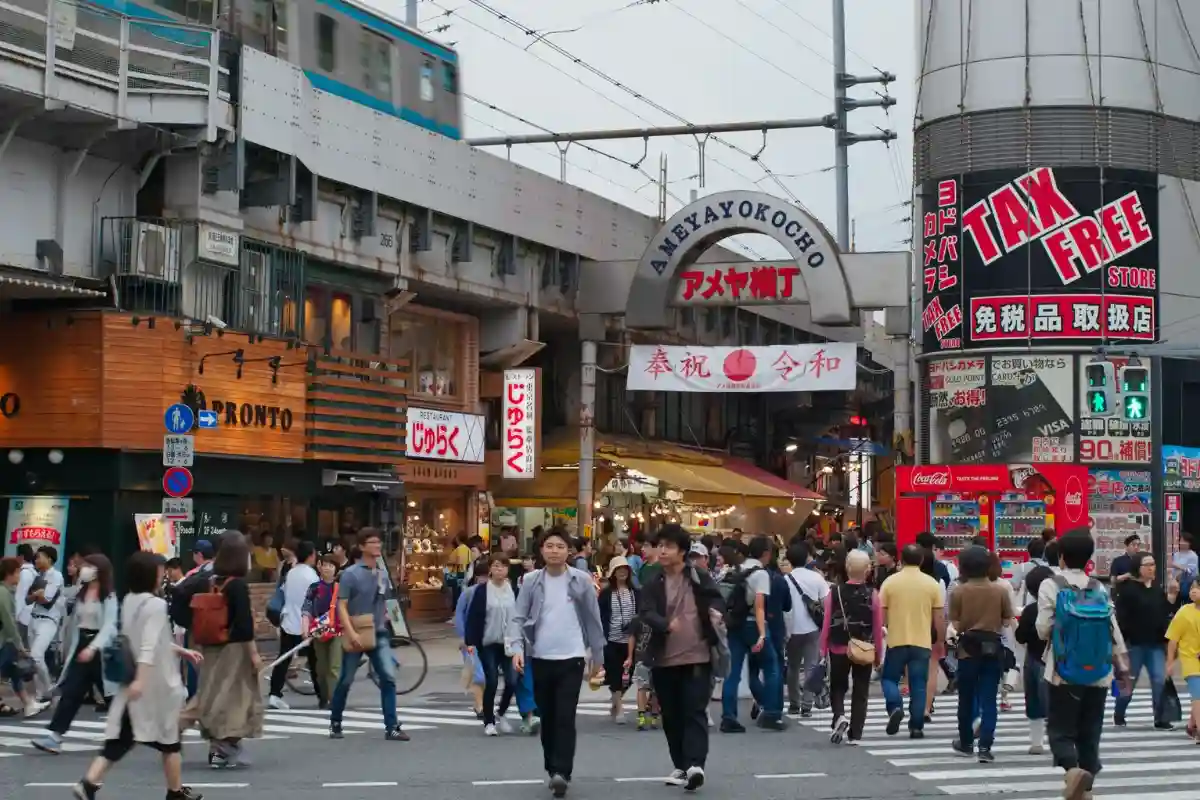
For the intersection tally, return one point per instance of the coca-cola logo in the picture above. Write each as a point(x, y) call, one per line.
point(1073, 501)
point(933, 478)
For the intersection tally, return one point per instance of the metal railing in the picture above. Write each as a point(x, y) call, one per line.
point(139, 53)
point(154, 266)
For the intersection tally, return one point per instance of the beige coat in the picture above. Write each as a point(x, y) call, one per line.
point(155, 715)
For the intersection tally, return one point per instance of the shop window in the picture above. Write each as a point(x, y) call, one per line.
point(432, 346)
point(316, 316)
point(326, 43)
point(341, 327)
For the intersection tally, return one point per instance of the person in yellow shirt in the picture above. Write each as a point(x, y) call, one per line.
point(266, 557)
point(913, 610)
point(1183, 642)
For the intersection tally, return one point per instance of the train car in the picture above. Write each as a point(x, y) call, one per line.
point(344, 47)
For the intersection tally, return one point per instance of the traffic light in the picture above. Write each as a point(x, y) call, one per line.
point(1135, 393)
point(1100, 389)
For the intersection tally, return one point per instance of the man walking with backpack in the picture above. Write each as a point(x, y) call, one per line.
point(1076, 618)
point(745, 591)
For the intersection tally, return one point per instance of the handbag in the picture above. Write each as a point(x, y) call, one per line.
point(814, 606)
point(118, 664)
point(859, 651)
point(1169, 709)
point(364, 626)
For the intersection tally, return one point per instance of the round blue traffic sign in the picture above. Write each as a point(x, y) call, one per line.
point(177, 482)
point(179, 418)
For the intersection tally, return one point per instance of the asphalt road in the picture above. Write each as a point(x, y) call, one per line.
point(450, 759)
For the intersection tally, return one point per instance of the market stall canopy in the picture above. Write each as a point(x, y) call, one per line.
point(552, 488)
point(21, 287)
point(561, 448)
point(761, 475)
point(706, 485)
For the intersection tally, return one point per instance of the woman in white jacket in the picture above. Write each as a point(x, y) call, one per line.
point(147, 710)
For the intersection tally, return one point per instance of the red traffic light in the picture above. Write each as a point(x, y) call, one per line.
point(858, 420)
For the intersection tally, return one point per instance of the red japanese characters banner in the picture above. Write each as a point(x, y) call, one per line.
point(778, 368)
point(776, 283)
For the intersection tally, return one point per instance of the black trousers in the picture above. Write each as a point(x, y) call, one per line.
point(1074, 724)
point(841, 672)
point(683, 697)
point(116, 749)
point(77, 684)
point(556, 686)
point(279, 675)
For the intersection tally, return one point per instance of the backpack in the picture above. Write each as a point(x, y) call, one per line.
point(210, 616)
point(179, 597)
point(733, 591)
point(1082, 635)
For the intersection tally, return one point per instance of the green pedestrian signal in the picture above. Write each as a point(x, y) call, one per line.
point(1098, 402)
point(1135, 407)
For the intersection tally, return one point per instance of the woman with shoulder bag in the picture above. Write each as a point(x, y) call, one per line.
point(851, 639)
point(980, 609)
point(92, 626)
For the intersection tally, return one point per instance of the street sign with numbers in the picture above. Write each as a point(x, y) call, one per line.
point(179, 450)
point(177, 509)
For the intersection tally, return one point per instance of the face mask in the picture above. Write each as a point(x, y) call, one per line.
point(87, 574)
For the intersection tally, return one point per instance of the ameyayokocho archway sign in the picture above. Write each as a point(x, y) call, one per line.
point(706, 221)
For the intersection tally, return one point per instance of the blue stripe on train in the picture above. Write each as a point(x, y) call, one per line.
point(347, 92)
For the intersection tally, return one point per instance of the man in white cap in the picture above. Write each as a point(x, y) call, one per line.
point(698, 556)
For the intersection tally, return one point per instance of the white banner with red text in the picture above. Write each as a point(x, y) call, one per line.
point(518, 427)
point(444, 435)
point(828, 367)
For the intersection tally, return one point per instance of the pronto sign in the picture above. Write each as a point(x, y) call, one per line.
point(698, 226)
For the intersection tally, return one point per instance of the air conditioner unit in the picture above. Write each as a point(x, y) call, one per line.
point(153, 252)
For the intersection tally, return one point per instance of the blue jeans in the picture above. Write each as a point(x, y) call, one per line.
point(978, 686)
point(1154, 658)
point(385, 670)
point(766, 682)
point(916, 661)
point(525, 704)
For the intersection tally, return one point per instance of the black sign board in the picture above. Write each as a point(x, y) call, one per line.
point(1047, 257)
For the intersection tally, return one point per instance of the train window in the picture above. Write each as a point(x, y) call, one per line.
point(449, 77)
point(427, 80)
point(377, 63)
point(279, 15)
point(326, 38)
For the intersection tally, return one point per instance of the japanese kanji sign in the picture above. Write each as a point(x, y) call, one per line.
point(776, 283)
point(518, 427)
point(1067, 256)
point(444, 435)
point(778, 368)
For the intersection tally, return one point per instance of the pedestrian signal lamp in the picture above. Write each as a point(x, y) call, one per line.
point(1100, 389)
point(1135, 393)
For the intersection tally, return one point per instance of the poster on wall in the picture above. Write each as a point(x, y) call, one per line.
point(1120, 508)
point(958, 417)
point(1110, 438)
point(156, 535)
point(1065, 256)
point(1029, 398)
point(38, 522)
point(1181, 468)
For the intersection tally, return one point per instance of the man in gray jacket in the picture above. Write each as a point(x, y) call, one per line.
point(554, 631)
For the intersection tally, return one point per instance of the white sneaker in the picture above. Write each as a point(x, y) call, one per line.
point(503, 725)
point(695, 779)
point(35, 707)
point(490, 730)
point(708, 716)
point(277, 704)
point(677, 778)
point(840, 727)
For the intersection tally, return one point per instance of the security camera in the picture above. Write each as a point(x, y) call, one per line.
point(216, 322)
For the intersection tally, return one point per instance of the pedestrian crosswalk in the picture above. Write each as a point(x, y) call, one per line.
point(1137, 758)
point(87, 735)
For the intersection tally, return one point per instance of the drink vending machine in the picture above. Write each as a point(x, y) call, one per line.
point(1007, 504)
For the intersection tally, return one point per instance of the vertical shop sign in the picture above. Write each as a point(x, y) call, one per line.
point(1173, 505)
point(958, 423)
point(38, 522)
point(1109, 437)
point(942, 311)
point(1030, 400)
point(1120, 507)
point(518, 442)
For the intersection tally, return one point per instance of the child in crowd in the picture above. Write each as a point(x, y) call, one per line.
point(1034, 669)
point(1183, 643)
point(479, 576)
point(647, 703)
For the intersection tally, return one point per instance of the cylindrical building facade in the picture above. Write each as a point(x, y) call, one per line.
point(1056, 161)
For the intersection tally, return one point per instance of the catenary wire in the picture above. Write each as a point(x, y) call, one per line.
point(824, 32)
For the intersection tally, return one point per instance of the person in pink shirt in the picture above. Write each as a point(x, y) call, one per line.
point(852, 611)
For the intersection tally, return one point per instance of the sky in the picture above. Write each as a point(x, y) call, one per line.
point(708, 61)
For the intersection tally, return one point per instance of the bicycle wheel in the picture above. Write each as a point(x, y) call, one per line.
point(300, 681)
point(411, 664)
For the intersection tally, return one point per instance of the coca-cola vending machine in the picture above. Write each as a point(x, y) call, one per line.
point(1008, 504)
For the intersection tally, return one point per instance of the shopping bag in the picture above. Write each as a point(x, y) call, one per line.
point(472, 670)
point(815, 680)
point(1169, 708)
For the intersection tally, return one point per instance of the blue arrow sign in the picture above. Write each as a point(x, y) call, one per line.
point(177, 482)
point(207, 419)
point(179, 418)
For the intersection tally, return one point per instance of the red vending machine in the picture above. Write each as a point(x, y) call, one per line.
point(1008, 504)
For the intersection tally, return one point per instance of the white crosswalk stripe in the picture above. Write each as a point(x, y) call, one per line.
point(1139, 760)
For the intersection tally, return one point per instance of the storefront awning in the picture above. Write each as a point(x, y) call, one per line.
point(708, 485)
point(552, 488)
point(745, 468)
point(14, 287)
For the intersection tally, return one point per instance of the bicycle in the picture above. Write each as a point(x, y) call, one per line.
point(410, 671)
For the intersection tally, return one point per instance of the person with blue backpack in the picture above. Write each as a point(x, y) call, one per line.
point(1076, 618)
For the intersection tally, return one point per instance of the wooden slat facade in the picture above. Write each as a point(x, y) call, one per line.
point(356, 408)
